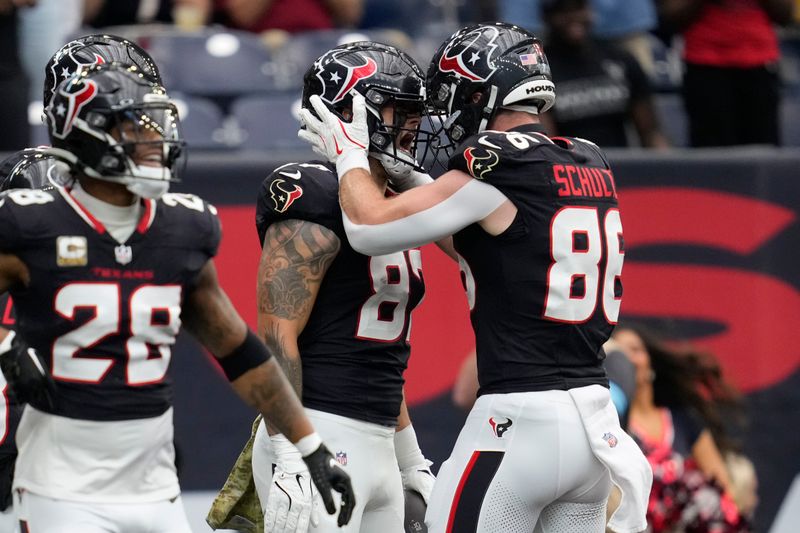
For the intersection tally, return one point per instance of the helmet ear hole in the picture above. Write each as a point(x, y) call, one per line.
point(476, 97)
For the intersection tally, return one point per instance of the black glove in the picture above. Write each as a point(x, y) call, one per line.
point(27, 375)
point(329, 476)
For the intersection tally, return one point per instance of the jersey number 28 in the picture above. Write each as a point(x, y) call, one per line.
point(154, 312)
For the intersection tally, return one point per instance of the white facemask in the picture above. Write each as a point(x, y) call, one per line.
point(152, 190)
point(148, 182)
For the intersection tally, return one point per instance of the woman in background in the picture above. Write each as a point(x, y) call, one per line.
point(675, 417)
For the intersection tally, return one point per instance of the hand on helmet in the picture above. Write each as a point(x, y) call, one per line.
point(342, 143)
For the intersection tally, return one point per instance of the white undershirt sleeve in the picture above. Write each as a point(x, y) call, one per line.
point(469, 204)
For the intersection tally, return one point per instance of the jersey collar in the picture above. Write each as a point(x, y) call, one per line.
point(530, 128)
point(148, 215)
point(82, 211)
point(146, 220)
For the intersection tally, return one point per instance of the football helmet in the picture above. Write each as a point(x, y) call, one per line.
point(95, 49)
point(415, 509)
point(385, 76)
point(482, 68)
point(34, 168)
point(113, 123)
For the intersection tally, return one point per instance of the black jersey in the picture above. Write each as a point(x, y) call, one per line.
point(10, 408)
point(10, 413)
point(104, 314)
point(545, 293)
point(354, 348)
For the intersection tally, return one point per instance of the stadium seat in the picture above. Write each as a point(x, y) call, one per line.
point(214, 63)
point(268, 121)
point(428, 38)
point(303, 48)
point(790, 121)
point(202, 124)
point(790, 64)
point(672, 118)
point(39, 134)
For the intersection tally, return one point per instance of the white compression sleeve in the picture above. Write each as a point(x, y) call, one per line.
point(471, 203)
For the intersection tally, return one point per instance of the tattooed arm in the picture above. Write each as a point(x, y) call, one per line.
point(210, 316)
point(296, 255)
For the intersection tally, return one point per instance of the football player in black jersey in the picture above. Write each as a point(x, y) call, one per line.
point(31, 168)
point(338, 320)
point(103, 274)
point(537, 228)
point(34, 168)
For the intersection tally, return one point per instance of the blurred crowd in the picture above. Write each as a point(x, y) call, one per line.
point(649, 73)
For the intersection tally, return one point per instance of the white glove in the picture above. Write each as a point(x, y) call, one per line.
point(415, 470)
point(291, 501)
point(313, 139)
point(400, 169)
point(343, 143)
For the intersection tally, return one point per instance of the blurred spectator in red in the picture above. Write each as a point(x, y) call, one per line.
point(744, 483)
point(676, 418)
point(288, 15)
point(731, 88)
point(599, 88)
point(15, 132)
point(103, 13)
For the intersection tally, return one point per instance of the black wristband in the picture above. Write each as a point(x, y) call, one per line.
point(248, 355)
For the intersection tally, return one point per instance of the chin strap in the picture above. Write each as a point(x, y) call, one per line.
point(402, 170)
point(148, 182)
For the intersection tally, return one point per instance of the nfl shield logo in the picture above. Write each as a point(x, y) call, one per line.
point(123, 254)
point(341, 458)
point(610, 439)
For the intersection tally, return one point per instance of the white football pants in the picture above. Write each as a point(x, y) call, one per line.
point(39, 514)
point(367, 453)
point(521, 463)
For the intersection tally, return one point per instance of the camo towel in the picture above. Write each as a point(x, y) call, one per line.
point(237, 506)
